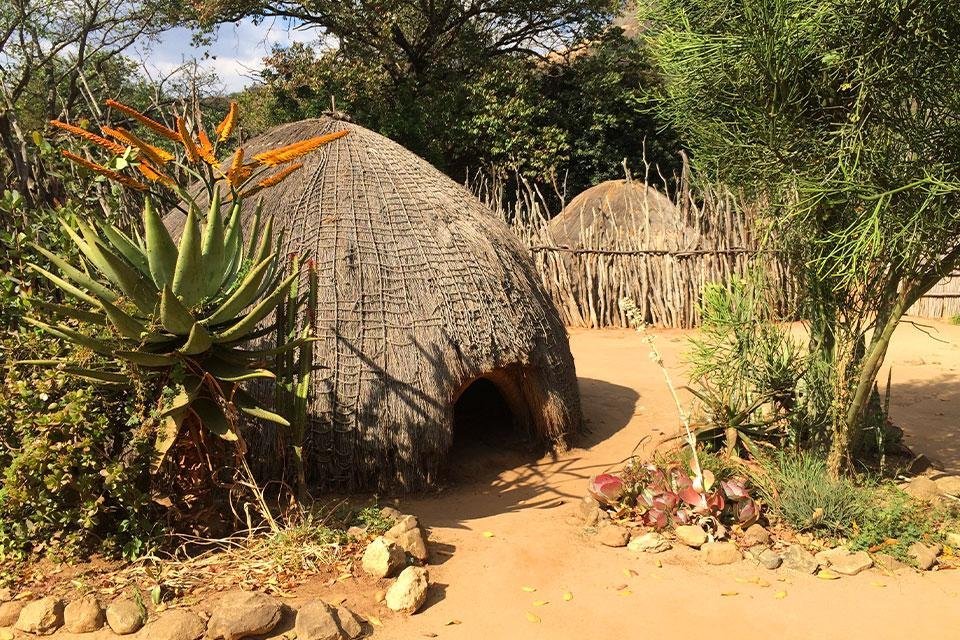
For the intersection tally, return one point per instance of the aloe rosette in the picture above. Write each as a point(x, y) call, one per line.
point(187, 307)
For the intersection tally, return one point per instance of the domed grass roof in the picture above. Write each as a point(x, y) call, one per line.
point(422, 291)
point(617, 212)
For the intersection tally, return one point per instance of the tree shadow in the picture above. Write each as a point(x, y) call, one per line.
point(607, 408)
point(928, 411)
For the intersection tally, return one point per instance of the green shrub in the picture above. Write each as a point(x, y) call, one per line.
point(892, 523)
point(75, 472)
point(799, 490)
point(374, 521)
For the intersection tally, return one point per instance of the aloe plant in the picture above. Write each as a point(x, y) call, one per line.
point(148, 302)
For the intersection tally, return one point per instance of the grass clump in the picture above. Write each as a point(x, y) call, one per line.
point(799, 490)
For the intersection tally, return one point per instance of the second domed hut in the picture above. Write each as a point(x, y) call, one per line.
point(426, 303)
point(618, 212)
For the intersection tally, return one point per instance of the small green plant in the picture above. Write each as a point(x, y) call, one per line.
point(800, 491)
point(954, 319)
point(892, 523)
point(372, 518)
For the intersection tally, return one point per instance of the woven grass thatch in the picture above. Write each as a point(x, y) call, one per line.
point(608, 210)
point(422, 291)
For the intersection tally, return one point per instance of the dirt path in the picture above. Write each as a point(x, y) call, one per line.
point(525, 505)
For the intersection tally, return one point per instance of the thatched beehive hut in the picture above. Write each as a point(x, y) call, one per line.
point(424, 298)
point(617, 212)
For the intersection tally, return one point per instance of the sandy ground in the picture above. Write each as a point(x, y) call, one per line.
point(525, 504)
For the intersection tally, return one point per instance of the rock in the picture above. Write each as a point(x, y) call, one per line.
point(651, 542)
point(952, 539)
point(10, 611)
point(588, 510)
point(923, 488)
point(404, 523)
point(83, 615)
point(316, 621)
point(769, 559)
point(690, 535)
point(240, 614)
point(613, 536)
point(389, 513)
point(5, 594)
point(42, 617)
point(720, 553)
point(348, 623)
point(409, 592)
point(919, 464)
point(754, 535)
point(7, 634)
point(176, 624)
point(799, 559)
point(887, 562)
point(949, 485)
point(382, 558)
point(357, 533)
point(125, 616)
point(412, 542)
point(844, 561)
point(923, 555)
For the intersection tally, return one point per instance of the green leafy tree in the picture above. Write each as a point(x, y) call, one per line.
point(842, 116)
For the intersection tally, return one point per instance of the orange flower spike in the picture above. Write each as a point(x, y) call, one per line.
point(110, 145)
point(158, 128)
point(109, 173)
point(156, 155)
point(297, 149)
point(225, 128)
point(193, 153)
point(205, 149)
point(238, 172)
point(153, 174)
point(271, 181)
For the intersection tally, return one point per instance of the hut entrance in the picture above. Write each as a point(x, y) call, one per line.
point(490, 427)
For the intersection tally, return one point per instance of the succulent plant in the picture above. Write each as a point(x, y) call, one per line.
point(606, 488)
point(154, 304)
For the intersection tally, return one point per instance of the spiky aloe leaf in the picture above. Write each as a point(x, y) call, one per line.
point(160, 249)
point(70, 312)
point(187, 283)
point(240, 329)
point(64, 285)
point(213, 248)
point(126, 247)
point(127, 325)
point(68, 334)
point(167, 434)
point(254, 355)
point(244, 294)
point(175, 317)
point(248, 404)
point(232, 372)
point(179, 402)
point(198, 341)
point(234, 246)
point(97, 375)
point(76, 275)
point(266, 243)
point(131, 284)
point(212, 417)
point(147, 359)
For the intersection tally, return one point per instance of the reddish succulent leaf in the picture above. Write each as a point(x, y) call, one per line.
point(606, 488)
point(735, 489)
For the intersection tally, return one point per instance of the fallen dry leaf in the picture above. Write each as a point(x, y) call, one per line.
point(540, 603)
point(532, 618)
point(529, 589)
point(625, 592)
point(375, 621)
point(729, 593)
point(568, 596)
point(452, 622)
point(827, 574)
point(780, 595)
point(488, 534)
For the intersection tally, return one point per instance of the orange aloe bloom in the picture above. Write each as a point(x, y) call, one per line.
point(205, 149)
point(110, 173)
point(273, 180)
point(158, 128)
point(193, 153)
point(297, 149)
point(238, 172)
point(110, 145)
point(225, 128)
point(153, 174)
point(156, 155)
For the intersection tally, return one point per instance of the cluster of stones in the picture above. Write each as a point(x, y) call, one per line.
point(756, 543)
point(237, 615)
point(400, 553)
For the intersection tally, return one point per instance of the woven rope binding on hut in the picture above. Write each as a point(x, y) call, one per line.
point(421, 292)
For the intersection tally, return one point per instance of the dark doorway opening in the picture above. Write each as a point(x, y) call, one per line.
point(488, 435)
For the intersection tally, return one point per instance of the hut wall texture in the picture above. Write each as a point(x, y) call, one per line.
point(421, 290)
